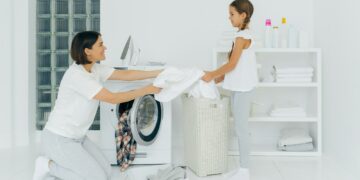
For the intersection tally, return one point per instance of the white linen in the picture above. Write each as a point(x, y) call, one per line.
point(297, 147)
point(293, 80)
point(293, 136)
point(294, 70)
point(174, 81)
point(300, 75)
point(288, 111)
point(202, 89)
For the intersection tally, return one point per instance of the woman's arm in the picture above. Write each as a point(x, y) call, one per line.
point(131, 75)
point(119, 97)
point(239, 45)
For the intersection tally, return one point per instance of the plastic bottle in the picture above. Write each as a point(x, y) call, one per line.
point(268, 34)
point(275, 37)
point(284, 31)
point(293, 41)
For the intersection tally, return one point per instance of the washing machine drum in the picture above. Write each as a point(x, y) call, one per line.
point(144, 118)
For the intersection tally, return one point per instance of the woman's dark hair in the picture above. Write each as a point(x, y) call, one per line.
point(244, 6)
point(82, 40)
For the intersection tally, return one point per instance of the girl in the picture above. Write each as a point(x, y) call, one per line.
point(67, 153)
point(240, 77)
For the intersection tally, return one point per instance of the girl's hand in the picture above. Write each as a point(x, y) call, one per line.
point(219, 79)
point(207, 77)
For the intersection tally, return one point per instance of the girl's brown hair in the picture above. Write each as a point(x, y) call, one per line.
point(244, 6)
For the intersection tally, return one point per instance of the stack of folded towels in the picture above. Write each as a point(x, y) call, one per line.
point(287, 111)
point(293, 74)
point(295, 139)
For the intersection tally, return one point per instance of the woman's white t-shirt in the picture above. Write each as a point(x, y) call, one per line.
point(244, 76)
point(75, 108)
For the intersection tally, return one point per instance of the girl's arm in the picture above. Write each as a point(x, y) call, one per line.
point(239, 45)
point(219, 79)
point(120, 97)
point(131, 75)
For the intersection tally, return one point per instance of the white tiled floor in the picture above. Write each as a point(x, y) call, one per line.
point(17, 164)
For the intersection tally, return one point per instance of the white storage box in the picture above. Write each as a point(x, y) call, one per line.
point(206, 134)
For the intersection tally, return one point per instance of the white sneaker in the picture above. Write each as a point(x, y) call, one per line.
point(41, 168)
point(239, 174)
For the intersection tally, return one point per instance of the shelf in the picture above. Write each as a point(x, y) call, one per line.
point(274, 50)
point(281, 119)
point(265, 130)
point(265, 85)
point(271, 150)
point(311, 84)
point(287, 50)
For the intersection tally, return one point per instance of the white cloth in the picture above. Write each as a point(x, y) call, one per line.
point(300, 75)
point(174, 81)
point(170, 173)
point(244, 76)
point(202, 89)
point(75, 108)
point(293, 70)
point(169, 76)
point(293, 136)
point(294, 80)
point(289, 111)
point(297, 147)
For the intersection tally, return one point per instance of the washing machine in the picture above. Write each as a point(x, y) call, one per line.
point(150, 123)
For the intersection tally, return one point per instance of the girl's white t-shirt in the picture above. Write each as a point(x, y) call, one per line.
point(244, 76)
point(75, 108)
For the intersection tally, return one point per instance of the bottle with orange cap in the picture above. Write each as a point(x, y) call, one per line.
point(284, 33)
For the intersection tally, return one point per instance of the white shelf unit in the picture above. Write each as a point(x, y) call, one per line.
point(265, 129)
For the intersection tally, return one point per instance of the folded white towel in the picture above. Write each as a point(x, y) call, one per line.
point(171, 173)
point(297, 147)
point(293, 80)
point(292, 136)
point(299, 75)
point(174, 81)
point(202, 89)
point(288, 109)
point(293, 70)
point(294, 114)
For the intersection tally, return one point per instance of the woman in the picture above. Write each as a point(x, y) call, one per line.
point(66, 151)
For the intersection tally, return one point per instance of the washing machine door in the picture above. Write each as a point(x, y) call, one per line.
point(145, 119)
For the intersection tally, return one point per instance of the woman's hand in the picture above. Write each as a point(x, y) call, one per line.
point(150, 89)
point(208, 76)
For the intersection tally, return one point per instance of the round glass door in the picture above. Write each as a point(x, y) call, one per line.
point(145, 119)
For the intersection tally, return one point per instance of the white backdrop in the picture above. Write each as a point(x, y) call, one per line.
point(338, 35)
point(184, 33)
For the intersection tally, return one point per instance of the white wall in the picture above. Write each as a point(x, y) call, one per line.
point(5, 75)
point(20, 73)
point(184, 33)
point(14, 92)
point(337, 32)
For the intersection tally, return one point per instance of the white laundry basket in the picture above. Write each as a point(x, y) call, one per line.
point(206, 134)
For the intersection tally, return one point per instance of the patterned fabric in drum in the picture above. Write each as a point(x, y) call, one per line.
point(125, 143)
